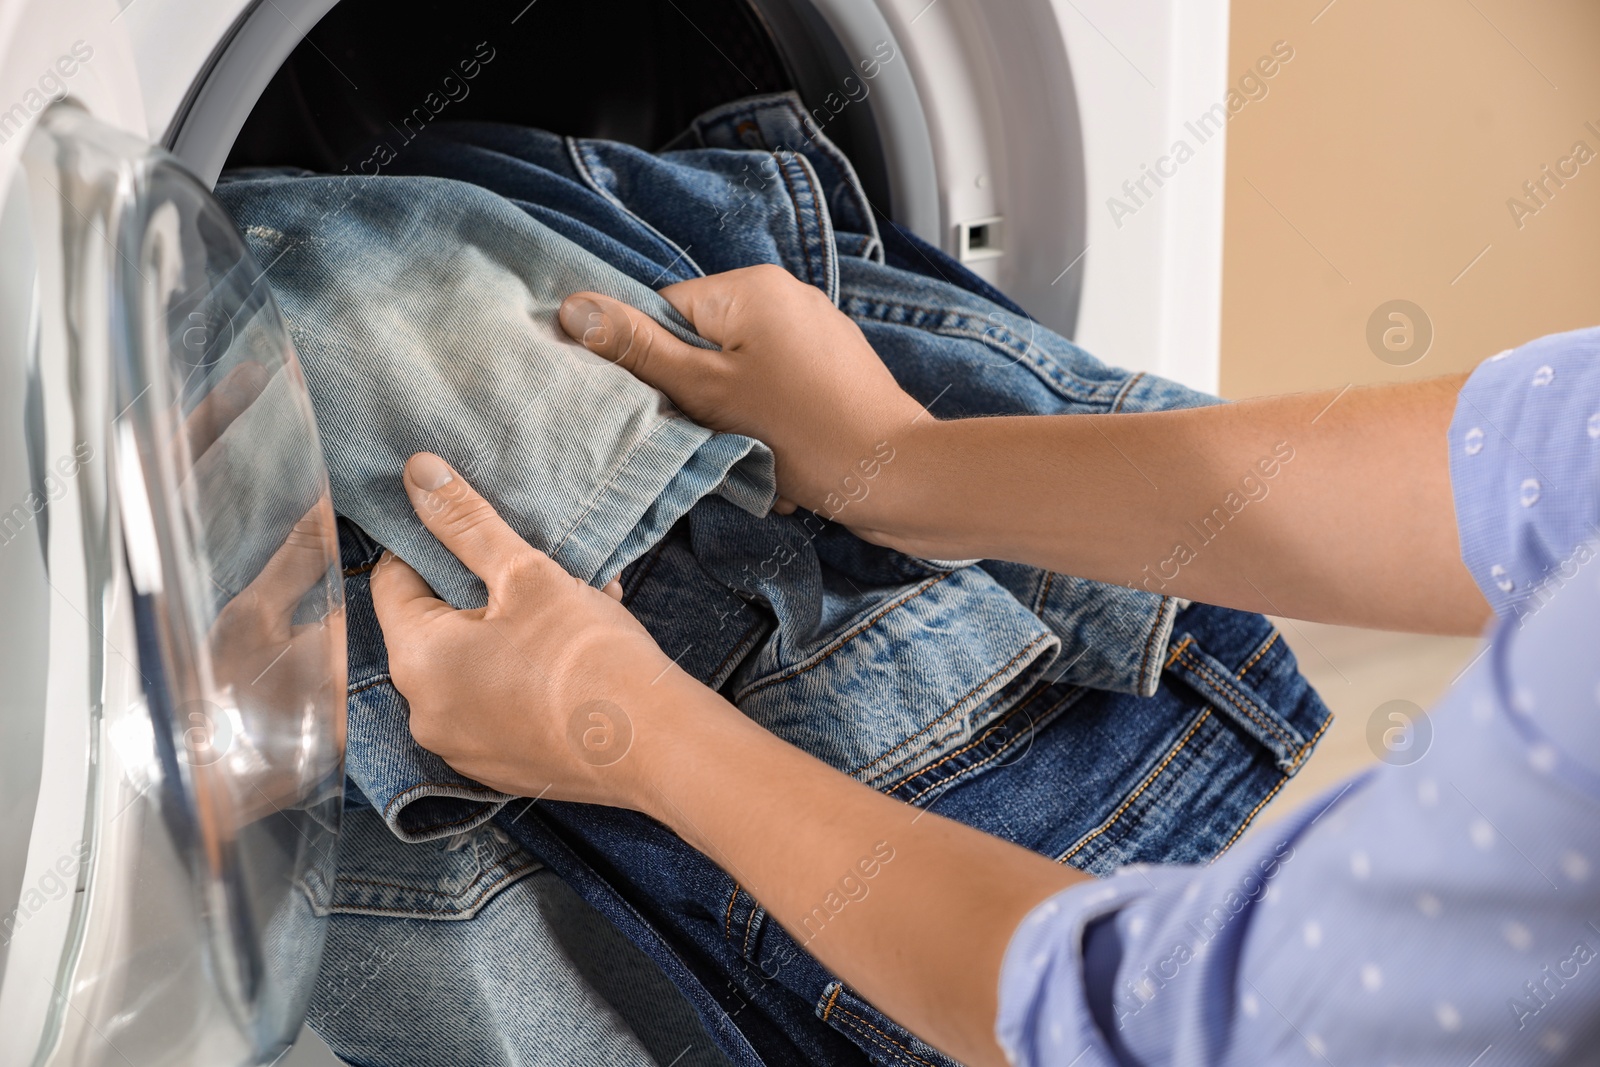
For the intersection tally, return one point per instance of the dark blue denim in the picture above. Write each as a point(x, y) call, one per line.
point(1165, 734)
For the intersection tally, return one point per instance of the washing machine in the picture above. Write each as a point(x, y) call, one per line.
point(171, 738)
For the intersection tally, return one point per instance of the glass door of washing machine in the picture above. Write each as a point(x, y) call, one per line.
point(190, 661)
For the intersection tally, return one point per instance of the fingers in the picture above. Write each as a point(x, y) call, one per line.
point(400, 597)
point(226, 401)
point(613, 590)
point(468, 526)
point(298, 564)
point(783, 506)
point(628, 337)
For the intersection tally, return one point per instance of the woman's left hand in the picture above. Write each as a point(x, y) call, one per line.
point(552, 688)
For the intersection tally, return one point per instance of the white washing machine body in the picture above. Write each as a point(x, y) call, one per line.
point(1006, 128)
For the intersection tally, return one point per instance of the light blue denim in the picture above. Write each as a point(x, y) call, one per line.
point(466, 950)
point(424, 315)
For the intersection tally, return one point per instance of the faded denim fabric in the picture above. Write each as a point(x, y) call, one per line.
point(1174, 776)
point(424, 315)
point(466, 950)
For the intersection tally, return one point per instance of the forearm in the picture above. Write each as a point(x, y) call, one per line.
point(912, 910)
point(1285, 505)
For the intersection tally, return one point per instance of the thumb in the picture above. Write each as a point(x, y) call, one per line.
point(633, 340)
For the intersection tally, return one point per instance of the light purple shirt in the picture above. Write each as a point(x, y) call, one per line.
point(1442, 909)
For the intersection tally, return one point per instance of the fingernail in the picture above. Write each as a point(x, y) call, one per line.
point(586, 321)
point(429, 472)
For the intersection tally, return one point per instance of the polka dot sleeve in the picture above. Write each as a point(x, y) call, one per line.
point(1525, 467)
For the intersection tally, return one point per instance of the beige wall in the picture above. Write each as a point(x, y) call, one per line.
point(1391, 143)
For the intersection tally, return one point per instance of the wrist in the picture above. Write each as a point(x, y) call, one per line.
point(906, 504)
point(688, 723)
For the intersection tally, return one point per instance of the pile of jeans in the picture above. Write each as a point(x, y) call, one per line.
point(1097, 724)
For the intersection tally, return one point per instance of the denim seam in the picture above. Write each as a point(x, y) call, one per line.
point(1025, 650)
point(364, 686)
point(506, 870)
point(351, 572)
point(1262, 651)
point(1044, 591)
point(953, 324)
point(1122, 394)
point(794, 202)
point(795, 672)
point(992, 727)
point(1128, 801)
point(744, 949)
point(1172, 656)
point(505, 879)
point(1223, 687)
point(827, 1008)
point(1149, 644)
point(826, 249)
point(883, 1040)
point(577, 150)
point(1248, 819)
point(727, 919)
point(612, 478)
point(402, 798)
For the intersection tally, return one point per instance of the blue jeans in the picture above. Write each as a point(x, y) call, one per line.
point(1173, 725)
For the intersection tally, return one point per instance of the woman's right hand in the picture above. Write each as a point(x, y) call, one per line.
point(793, 372)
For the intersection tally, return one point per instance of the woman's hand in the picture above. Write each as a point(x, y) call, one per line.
point(548, 689)
point(793, 372)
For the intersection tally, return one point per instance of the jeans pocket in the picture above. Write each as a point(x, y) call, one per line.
point(446, 879)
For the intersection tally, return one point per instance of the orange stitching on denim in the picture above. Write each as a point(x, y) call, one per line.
point(1262, 651)
point(1150, 640)
point(1305, 750)
point(1029, 647)
point(727, 920)
point(887, 1042)
point(1199, 667)
point(1122, 397)
point(1248, 819)
point(1172, 657)
point(744, 949)
point(828, 1007)
point(351, 572)
point(1103, 827)
point(364, 686)
point(1044, 591)
point(847, 638)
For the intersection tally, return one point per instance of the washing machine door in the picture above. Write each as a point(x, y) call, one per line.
point(189, 658)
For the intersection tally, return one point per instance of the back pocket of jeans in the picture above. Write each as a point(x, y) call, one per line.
point(447, 879)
